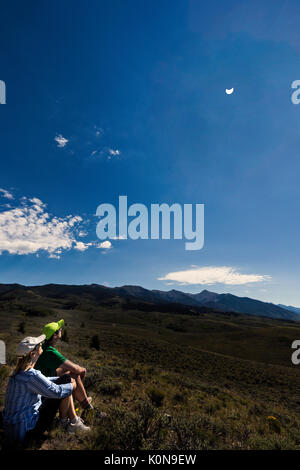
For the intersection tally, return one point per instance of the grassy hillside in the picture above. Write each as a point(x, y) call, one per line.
point(177, 379)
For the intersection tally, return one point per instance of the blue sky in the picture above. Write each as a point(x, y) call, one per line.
point(137, 90)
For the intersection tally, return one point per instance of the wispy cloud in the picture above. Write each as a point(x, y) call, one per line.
point(61, 141)
point(99, 131)
point(6, 194)
point(212, 275)
point(91, 141)
point(113, 152)
point(82, 233)
point(105, 245)
point(105, 152)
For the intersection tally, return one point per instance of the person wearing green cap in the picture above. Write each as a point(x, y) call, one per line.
point(52, 363)
point(32, 400)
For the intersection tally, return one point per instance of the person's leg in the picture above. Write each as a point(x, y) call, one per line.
point(80, 394)
point(70, 421)
point(67, 409)
point(47, 412)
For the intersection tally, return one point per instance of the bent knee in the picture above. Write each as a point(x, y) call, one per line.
point(74, 382)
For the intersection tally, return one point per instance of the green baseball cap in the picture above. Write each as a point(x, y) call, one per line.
point(51, 328)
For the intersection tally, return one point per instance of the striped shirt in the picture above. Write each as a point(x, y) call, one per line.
point(23, 400)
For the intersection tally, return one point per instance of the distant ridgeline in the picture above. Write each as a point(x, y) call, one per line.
point(99, 294)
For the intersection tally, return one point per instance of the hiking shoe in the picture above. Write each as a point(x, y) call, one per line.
point(64, 422)
point(78, 426)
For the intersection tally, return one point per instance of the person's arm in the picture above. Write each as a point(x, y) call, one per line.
point(41, 385)
point(73, 368)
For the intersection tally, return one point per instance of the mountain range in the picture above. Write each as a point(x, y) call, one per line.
point(221, 302)
point(99, 293)
point(290, 308)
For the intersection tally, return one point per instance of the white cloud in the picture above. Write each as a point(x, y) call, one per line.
point(114, 152)
point(82, 233)
point(28, 228)
point(212, 275)
point(105, 245)
point(37, 202)
point(6, 194)
point(80, 246)
point(73, 219)
point(61, 141)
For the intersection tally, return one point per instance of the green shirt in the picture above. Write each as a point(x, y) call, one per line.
point(49, 361)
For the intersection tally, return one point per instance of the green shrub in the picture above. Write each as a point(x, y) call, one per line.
point(176, 327)
point(65, 337)
point(147, 413)
point(122, 430)
point(137, 429)
point(137, 375)
point(110, 388)
point(4, 371)
point(274, 424)
point(273, 442)
point(70, 305)
point(95, 342)
point(37, 312)
point(21, 327)
point(190, 432)
point(179, 397)
point(85, 353)
point(156, 396)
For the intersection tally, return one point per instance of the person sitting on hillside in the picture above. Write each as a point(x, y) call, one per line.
point(53, 363)
point(32, 400)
